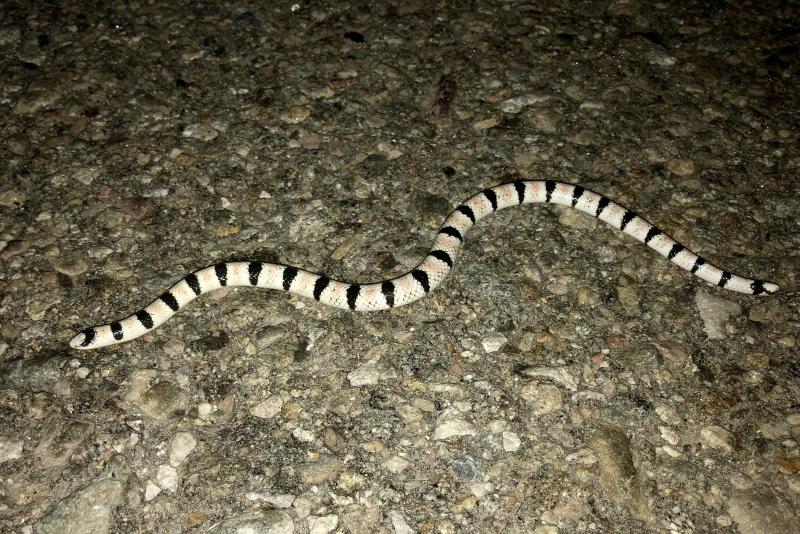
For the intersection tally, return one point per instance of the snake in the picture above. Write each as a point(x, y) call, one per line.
point(422, 279)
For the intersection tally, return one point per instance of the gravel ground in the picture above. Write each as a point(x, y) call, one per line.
point(564, 378)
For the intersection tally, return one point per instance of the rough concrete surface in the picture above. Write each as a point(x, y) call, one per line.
point(564, 378)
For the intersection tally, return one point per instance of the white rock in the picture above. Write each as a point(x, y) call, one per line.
point(151, 491)
point(396, 464)
point(516, 104)
point(399, 523)
point(301, 434)
point(182, 446)
point(267, 409)
point(167, 478)
point(203, 132)
point(715, 311)
point(716, 437)
point(369, 374)
point(582, 456)
point(481, 489)
point(10, 449)
point(452, 424)
point(322, 524)
point(493, 342)
point(511, 441)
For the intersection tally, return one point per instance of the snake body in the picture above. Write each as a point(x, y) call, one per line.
point(423, 278)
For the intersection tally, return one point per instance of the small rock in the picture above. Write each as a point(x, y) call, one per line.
point(715, 312)
point(396, 464)
point(486, 124)
point(72, 265)
point(325, 468)
point(618, 475)
point(151, 491)
point(256, 522)
point(762, 511)
point(10, 449)
point(582, 456)
point(322, 524)
point(164, 401)
point(86, 175)
point(181, 446)
point(716, 437)
point(672, 351)
point(87, 511)
point(399, 523)
point(59, 441)
point(167, 478)
point(511, 441)
point(681, 167)
point(268, 408)
point(369, 374)
point(301, 434)
point(516, 104)
point(546, 120)
point(630, 299)
point(202, 132)
point(468, 467)
point(296, 114)
point(451, 424)
point(493, 342)
point(37, 308)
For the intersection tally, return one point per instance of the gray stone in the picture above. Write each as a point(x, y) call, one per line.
point(87, 511)
point(256, 522)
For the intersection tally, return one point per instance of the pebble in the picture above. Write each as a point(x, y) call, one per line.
point(493, 342)
point(267, 409)
point(167, 478)
point(518, 103)
point(396, 464)
point(88, 511)
point(451, 424)
point(399, 523)
point(716, 437)
point(672, 351)
point(629, 299)
point(151, 491)
point(618, 476)
point(59, 441)
point(296, 114)
point(10, 449)
point(546, 120)
point(256, 522)
point(201, 132)
point(370, 374)
point(37, 308)
point(325, 468)
point(761, 511)
point(681, 167)
point(715, 312)
point(486, 124)
point(181, 446)
point(87, 175)
point(322, 524)
point(511, 441)
point(542, 398)
point(164, 401)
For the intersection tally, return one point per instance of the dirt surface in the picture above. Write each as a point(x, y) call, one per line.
point(564, 378)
